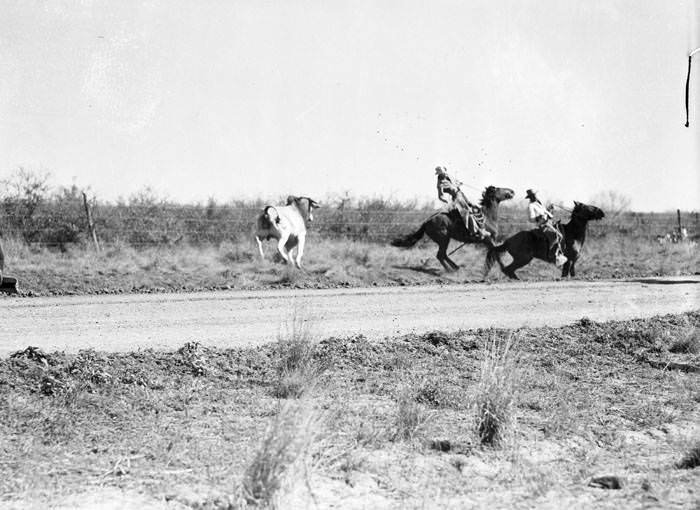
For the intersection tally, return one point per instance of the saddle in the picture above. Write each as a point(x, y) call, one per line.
point(478, 216)
point(473, 212)
point(541, 236)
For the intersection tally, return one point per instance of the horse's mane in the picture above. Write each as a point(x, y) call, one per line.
point(487, 196)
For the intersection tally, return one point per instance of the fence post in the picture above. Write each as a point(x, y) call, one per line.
point(91, 224)
point(680, 227)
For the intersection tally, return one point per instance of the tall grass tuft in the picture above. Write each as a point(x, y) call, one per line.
point(411, 417)
point(286, 445)
point(494, 401)
point(689, 343)
point(297, 370)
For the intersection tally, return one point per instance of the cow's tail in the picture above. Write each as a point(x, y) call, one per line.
point(410, 239)
point(493, 255)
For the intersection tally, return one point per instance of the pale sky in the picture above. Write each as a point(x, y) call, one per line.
point(246, 99)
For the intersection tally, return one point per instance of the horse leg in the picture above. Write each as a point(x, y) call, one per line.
point(509, 270)
point(451, 262)
point(444, 259)
point(572, 268)
point(565, 269)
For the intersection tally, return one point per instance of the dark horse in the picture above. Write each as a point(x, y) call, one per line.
point(445, 225)
point(529, 244)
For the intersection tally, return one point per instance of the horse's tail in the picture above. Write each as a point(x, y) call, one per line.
point(493, 255)
point(410, 239)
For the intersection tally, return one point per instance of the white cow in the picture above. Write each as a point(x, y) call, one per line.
point(287, 224)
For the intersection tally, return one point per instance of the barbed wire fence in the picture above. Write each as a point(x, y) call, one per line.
point(68, 222)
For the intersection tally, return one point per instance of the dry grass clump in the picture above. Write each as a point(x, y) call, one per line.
point(495, 396)
point(411, 417)
point(297, 369)
point(688, 344)
point(282, 453)
point(691, 459)
point(436, 392)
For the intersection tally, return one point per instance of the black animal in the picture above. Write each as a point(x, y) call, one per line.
point(529, 244)
point(446, 225)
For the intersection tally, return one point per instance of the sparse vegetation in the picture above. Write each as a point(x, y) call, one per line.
point(297, 369)
point(411, 417)
point(288, 440)
point(688, 343)
point(588, 404)
point(121, 268)
point(150, 244)
point(436, 392)
point(496, 391)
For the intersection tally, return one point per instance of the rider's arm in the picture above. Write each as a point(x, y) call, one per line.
point(444, 197)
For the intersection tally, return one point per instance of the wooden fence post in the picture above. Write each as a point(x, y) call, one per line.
point(91, 224)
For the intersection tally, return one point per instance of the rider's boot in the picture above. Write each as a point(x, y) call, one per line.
point(557, 257)
point(560, 260)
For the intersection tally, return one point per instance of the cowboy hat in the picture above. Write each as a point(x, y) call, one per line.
point(529, 193)
point(440, 170)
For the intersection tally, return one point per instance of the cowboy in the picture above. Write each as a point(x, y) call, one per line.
point(448, 187)
point(542, 216)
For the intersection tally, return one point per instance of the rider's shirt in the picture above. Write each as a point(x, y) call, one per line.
point(538, 213)
point(447, 188)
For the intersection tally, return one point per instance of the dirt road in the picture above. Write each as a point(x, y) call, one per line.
point(118, 323)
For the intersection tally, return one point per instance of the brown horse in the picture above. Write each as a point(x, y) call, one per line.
point(445, 225)
point(529, 244)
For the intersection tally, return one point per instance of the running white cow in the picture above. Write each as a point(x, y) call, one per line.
point(287, 224)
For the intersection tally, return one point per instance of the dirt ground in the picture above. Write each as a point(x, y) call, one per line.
point(237, 318)
point(395, 423)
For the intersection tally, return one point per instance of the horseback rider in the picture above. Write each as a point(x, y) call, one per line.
point(542, 216)
point(448, 187)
